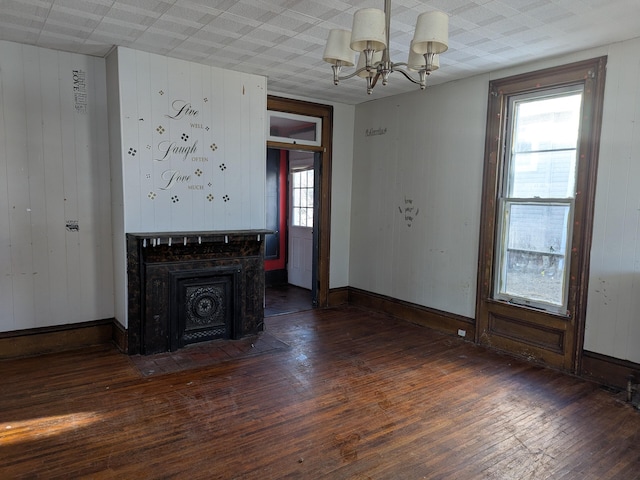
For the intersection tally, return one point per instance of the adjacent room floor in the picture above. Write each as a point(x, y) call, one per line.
point(287, 298)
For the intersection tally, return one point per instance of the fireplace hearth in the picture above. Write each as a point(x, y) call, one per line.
point(192, 287)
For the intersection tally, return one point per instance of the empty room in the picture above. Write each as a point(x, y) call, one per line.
point(382, 239)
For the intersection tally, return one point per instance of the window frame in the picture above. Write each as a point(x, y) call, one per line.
point(316, 122)
point(549, 338)
point(504, 200)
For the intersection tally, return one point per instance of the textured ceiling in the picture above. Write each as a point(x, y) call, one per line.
point(284, 39)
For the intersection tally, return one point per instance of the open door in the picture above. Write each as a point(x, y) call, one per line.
point(301, 219)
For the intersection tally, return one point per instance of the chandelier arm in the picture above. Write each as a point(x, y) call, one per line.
point(351, 75)
point(403, 72)
point(375, 80)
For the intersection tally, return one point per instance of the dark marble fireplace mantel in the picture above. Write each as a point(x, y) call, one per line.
point(156, 260)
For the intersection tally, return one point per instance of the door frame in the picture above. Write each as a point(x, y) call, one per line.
point(323, 175)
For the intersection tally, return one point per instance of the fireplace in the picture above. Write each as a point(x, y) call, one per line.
point(191, 287)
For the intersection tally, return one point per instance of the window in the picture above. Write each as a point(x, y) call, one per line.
point(302, 198)
point(292, 128)
point(541, 156)
point(536, 198)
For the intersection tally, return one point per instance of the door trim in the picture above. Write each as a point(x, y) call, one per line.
point(325, 112)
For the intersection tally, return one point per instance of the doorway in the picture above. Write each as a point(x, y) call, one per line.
point(298, 205)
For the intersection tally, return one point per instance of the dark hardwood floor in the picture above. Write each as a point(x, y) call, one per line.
point(354, 395)
point(281, 299)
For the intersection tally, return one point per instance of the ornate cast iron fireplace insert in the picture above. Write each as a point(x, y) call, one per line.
point(187, 287)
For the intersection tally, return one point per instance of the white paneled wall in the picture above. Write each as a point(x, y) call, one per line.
point(193, 145)
point(417, 179)
point(613, 308)
point(55, 224)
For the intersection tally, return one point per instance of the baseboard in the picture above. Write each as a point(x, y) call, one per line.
point(338, 296)
point(120, 337)
point(38, 341)
point(609, 371)
point(438, 320)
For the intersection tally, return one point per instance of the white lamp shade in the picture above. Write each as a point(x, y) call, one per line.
point(416, 61)
point(432, 33)
point(368, 26)
point(377, 58)
point(337, 48)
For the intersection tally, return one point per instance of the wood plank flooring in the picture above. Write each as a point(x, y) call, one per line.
point(286, 298)
point(358, 395)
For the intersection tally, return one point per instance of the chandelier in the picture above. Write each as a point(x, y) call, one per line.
point(370, 36)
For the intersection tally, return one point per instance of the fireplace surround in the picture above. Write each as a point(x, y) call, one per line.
point(188, 287)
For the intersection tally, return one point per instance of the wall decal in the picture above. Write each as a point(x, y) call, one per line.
point(132, 151)
point(151, 195)
point(409, 211)
point(372, 132)
point(172, 178)
point(181, 110)
point(80, 91)
point(72, 226)
point(226, 198)
point(176, 151)
point(168, 148)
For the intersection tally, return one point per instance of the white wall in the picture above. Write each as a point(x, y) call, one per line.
point(432, 154)
point(416, 195)
point(613, 307)
point(192, 144)
point(341, 181)
point(55, 228)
